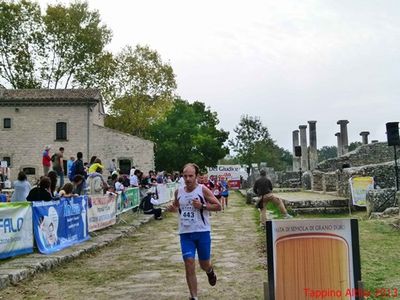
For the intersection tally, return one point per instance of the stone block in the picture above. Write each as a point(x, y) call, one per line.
point(379, 200)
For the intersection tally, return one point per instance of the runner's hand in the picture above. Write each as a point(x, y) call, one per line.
point(197, 204)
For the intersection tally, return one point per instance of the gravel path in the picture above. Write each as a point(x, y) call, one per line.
point(148, 264)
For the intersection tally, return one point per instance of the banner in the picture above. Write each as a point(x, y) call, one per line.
point(232, 173)
point(166, 192)
point(102, 211)
point(359, 187)
point(16, 236)
point(128, 200)
point(312, 257)
point(60, 224)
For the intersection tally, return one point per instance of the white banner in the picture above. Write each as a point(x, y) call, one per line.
point(16, 234)
point(359, 187)
point(166, 192)
point(102, 211)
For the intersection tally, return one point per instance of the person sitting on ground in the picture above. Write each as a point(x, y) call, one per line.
point(21, 188)
point(41, 192)
point(148, 203)
point(67, 191)
point(263, 189)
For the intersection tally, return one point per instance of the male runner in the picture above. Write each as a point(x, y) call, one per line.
point(194, 201)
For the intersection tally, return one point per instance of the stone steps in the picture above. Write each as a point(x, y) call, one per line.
point(316, 203)
point(320, 210)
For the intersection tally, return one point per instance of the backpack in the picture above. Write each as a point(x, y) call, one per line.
point(72, 172)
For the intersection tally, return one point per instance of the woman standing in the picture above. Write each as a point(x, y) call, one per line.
point(21, 188)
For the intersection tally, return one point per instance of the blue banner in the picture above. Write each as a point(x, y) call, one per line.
point(15, 229)
point(60, 224)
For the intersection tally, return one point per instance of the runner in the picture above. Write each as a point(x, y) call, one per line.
point(224, 192)
point(193, 203)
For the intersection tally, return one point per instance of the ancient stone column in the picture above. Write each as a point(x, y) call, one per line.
point(344, 136)
point(303, 144)
point(364, 135)
point(296, 160)
point(313, 145)
point(339, 144)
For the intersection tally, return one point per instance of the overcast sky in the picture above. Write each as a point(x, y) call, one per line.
point(284, 61)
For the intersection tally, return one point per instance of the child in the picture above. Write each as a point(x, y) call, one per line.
point(66, 191)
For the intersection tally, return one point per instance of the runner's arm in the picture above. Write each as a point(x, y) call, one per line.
point(173, 207)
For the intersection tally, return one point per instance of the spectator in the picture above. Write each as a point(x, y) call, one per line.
point(79, 165)
point(133, 179)
point(96, 183)
point(46, 160)
point(42, 192)
point(67, 191)
point(119, 186)
point(111, 182)
point(92, 159)
point(70, 162)
point(53, 182)
point(21, 188)
point(96, 164)
point(79, 184)
point(3, 197)
point(148, 203)
point(132, 171)
point(112, 166)
point(58, 164)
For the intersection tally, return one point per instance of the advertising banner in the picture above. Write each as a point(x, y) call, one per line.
point(312, 257)
point(60, 224)
point(16, 236)
point(232, 174)
point(128, 200)
point(102, 211)
point(166, 192)
point(359, 187)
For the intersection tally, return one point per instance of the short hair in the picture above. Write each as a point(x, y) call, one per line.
point(44, 182)
point(78, 178)
point(194, 166)
point(263, 173)
point(68, 188)
point(61, 149)
point(79, 155)
point(21, 176)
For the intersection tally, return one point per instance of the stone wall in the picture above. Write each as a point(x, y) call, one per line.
point(288, 179)
point(374, 153)
point(329, 182)
point(380, 200)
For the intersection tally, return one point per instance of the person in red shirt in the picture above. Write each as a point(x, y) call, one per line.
point(46, 160)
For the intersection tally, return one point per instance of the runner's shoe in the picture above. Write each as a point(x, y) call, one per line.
point(212, 278)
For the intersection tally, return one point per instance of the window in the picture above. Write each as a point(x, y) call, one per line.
point(7, 122)
point(61, 131)
point(125, 166)
point(29, 171)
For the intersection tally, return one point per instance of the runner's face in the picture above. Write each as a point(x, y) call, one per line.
point(190, 177)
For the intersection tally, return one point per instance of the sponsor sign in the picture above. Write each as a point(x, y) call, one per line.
point(16, 236)
point(359, 187)
point(102, 211)
point(60, 224)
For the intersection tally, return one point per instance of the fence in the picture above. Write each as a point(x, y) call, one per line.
point(60, 224)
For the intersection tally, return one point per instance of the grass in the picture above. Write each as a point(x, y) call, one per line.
point(379, 250)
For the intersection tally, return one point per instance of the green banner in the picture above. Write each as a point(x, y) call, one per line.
point(128, 200)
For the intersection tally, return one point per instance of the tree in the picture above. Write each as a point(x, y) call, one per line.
point(20, 33)
point(143, 88)
point(188, 133)
point(327, 152)
point(354, 145)
point(58, 49)
point(253, 144)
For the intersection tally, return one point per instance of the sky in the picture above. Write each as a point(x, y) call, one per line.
point(286, 62)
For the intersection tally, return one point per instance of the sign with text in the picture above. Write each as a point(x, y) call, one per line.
point(60, 224)
point(16, 236)
point(232, 174)
point(359, 187)
point(102, 211)
point(312, 257)
point(128, 200)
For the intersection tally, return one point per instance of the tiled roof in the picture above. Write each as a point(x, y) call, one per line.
point(49, 97)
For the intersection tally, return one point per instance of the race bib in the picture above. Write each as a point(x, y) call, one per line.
point(188, 215)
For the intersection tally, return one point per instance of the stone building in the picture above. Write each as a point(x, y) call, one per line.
point(73, 119)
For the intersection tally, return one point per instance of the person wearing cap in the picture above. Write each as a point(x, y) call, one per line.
point(148, 205)
point(263, 189)
point(46, 160)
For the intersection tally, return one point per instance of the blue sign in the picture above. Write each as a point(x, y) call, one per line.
point(60, 224)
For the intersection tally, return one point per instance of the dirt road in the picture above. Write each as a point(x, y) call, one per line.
point(148, 264)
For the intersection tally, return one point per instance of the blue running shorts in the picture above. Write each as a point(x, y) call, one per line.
point(196, 240)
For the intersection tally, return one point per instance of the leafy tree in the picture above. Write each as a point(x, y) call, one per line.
point(327, 152)
point(59, 49)
point(188, 133)
point(253, 144)
point(143, 88)
point(20, 35)
point(354, 145)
